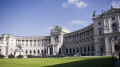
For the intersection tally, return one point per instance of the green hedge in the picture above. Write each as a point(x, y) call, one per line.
point(1, 56)
point(30, 56)
point(11, 56)
point(20, 56)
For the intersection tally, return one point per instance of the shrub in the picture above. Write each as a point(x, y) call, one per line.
point(20, 56)
point(11, 56)
point(1, 56)
point(30, 56)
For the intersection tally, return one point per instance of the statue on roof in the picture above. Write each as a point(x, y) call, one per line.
point(94, 13)
point(56, 29)
point(111, 6)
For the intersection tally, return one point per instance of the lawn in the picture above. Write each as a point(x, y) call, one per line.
point(58, 62)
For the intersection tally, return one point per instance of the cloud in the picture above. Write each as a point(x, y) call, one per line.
point(72, 1)
point(50, 28)
point(81, 4)
point(77, 3)
point(116, 4)
point(83, 23)
point(65, 5)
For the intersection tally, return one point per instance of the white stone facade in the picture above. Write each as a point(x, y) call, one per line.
point(102, 37)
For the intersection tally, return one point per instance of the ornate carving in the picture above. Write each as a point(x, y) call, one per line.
point(56, 29)
point(19, 48)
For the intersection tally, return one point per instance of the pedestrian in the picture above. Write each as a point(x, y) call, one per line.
point(112, 56)
point(119, 55)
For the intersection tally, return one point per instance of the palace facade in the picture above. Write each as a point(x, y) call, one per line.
point(102, 37)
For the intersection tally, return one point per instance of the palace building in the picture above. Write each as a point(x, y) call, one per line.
point(102, 37)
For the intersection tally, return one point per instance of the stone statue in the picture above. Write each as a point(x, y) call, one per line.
point(19, 48)
point(94, 13)
point(56, 29)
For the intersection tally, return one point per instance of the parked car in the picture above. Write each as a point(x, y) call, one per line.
point(25, 57)
point(6, 57)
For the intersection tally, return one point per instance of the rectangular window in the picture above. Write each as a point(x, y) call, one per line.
point(30, 42)
point(26, 42)
point(99, 23)
point(113, 18)
point(100, 32)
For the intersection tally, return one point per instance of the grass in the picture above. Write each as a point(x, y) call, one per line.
point(58, 62)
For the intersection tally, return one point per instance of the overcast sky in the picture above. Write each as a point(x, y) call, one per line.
point(37, 17)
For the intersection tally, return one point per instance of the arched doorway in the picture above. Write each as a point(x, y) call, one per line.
point(66, 50)
point(59, 50)
point(51, 51)
point(70, 50)
point(77, 49)
point(117, 47)
point(26, 51)
point(73, 50)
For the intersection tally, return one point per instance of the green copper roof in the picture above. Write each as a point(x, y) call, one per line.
point(56, 29)
point(7, 35)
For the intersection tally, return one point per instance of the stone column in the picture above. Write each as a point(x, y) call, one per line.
point(97, 47)
point(82, 50)
point(86, 50)
point(118, 22)
point(82, 37)
point(113, 46)
point(4, 51)
point(59, 38)
point(90, 53)
point(53, 50)
point(107, 46)
point(75, 49)
point(36, 42)
point(48, 50)
point(72, 50)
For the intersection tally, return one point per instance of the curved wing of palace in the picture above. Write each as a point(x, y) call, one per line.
point(102, 37)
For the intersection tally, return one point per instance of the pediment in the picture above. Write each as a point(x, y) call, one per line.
point(113, 10)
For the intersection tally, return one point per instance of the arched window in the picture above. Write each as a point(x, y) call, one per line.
point(45, 51)
point(88, 48)
point(114, 27)
point(66, 50)
point(34, 51)
point(38, 51)
point(84, 49)
point(42, 51)
point(92, 48)
point(30, 51)
point(117, 47)
point(70, 50)
point(77, 49)
point(73, 50)
point(81, 49)
point(26, 51)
